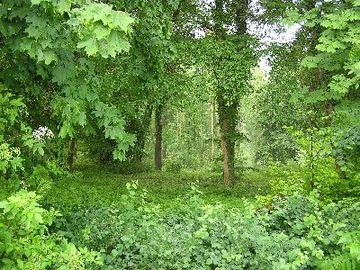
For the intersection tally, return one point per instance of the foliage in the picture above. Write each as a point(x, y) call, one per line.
point(25, 242)
point(337, 46)
point(327, 225)
point(346, 138)
point(332, 29)
point(82, 79)
point(44, 43)
point(269, 109)
point(93, 187)
point(16, 141)
point(296, 232)
point(315, 168)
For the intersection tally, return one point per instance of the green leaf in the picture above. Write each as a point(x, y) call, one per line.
point(101, 31)
point(123, 20)
point(90, 46)
point(63, 6)
point(310, 62)
point(49, 57)
point(37, 2)
point(117, 43)
point(82, 119)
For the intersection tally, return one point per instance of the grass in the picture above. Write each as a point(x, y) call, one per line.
point(95, 185)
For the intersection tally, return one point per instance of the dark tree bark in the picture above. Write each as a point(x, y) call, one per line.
point(71, 153)
point(228, 120)
point(158, 137)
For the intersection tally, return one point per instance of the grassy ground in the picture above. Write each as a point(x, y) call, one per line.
point(100, 185)
point(95, 185)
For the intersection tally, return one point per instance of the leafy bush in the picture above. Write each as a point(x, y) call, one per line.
point(25, 242)
point(287, 179)
point(173, 164)
point(296, 232)
point(321, 228)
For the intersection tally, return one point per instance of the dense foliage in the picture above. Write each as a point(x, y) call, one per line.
point(294, 233)
point(25, 241)
point(95, 94)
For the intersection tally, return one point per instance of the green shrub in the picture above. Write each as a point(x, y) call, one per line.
point(286, 179)
point(173, 164)
point(296, 232)
point(25, 242)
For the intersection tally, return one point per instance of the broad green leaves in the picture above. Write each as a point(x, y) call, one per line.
point(102, 30)
point(55, 37)
point(25, 242)
point(114, 128)
point(337, 45)
point(292, 232)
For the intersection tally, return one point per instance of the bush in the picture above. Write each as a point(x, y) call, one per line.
point(296, 232)
point(25, 242)
point(286, 179)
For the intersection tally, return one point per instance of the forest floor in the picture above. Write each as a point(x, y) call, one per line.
point(95, 185)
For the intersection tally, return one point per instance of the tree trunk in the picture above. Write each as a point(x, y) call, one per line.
point(71, 153)
point(228, 102)
point(212, 126)
point(227, 122)
point(158, 138)
point(228, 172)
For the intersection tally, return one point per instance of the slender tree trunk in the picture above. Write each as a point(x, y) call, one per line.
point(212, 125)
point(143, 132)
point(71, 153)
point(158, 138)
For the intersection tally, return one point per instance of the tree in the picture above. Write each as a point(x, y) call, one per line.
point(328, 70)
point(231, 79)
point(337, 52)
point(50, 46)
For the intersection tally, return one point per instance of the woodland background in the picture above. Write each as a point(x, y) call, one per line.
point(144, 135)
